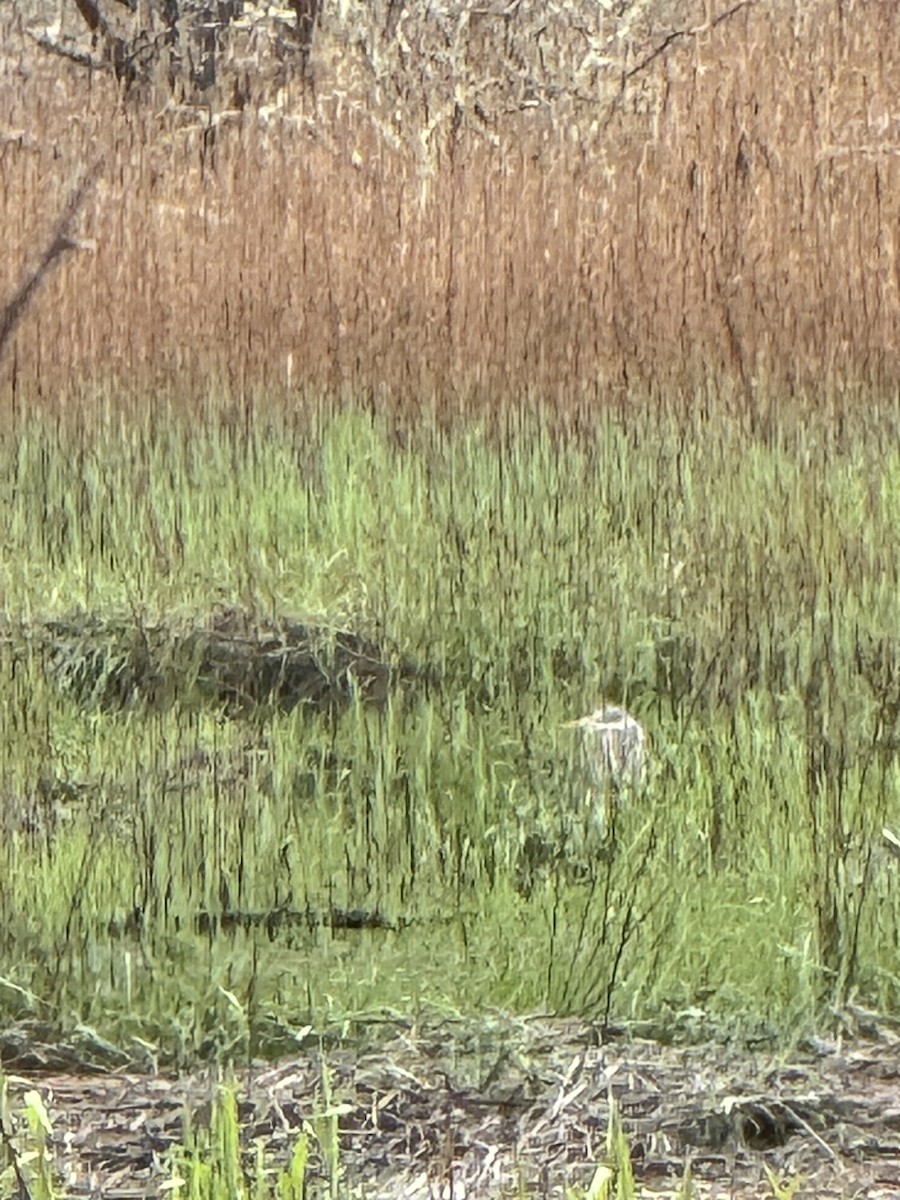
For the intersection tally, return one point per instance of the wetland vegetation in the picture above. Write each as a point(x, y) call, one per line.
point(738, 594)
point(371, 419)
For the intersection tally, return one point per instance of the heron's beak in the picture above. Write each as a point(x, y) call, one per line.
point(575, 724)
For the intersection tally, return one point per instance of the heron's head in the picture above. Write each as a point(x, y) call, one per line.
point(601, 718)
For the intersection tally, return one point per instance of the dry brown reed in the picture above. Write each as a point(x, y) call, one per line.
point(711, 210)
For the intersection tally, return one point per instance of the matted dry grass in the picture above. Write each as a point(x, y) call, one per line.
point(446, 1109)
point(707, 202)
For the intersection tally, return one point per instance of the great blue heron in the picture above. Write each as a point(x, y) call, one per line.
point(612, 762)
point(613, 747)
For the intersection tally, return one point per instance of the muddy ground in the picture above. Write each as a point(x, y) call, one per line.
point(447, 1108)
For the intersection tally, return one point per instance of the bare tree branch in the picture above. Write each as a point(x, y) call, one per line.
point(68, 52)
point(61, 242)
point(116, 48)
point(91, 13)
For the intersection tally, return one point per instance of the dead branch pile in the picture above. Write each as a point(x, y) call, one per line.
point(492, 58)
point(231, 660)
point(181, 39)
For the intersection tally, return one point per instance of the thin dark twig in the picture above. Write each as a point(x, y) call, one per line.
point(678, 35)
point(671, 39)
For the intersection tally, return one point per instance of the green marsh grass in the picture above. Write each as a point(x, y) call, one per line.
point(737, 593)
point(26, 1169)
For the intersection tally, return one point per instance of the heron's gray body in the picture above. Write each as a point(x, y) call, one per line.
point(614, 747)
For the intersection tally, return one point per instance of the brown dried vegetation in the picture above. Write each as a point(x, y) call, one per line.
point(473, 206)
point(508, 1107)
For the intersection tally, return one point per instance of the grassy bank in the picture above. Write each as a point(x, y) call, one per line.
point(738, 594)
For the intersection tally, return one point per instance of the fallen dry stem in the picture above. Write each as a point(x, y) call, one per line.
point(60, 243)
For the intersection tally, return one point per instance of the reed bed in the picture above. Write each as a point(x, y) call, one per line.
point(689, 203)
